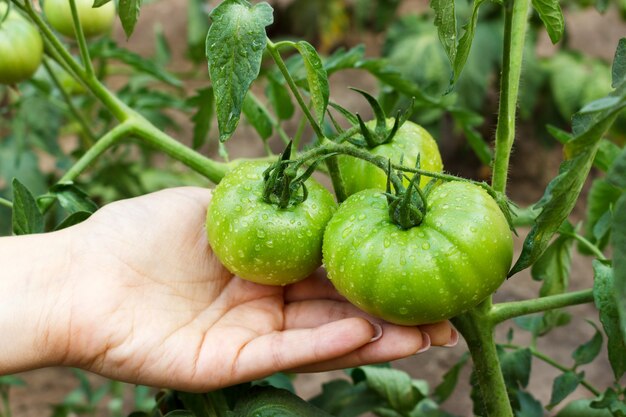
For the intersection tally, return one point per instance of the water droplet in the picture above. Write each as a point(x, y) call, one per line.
point(387, 242)
point(269, 243)
point(403, 310)
point(265, 216)
point(425, 245)
point(260, 233)
point(237, 207)
point(361, 216)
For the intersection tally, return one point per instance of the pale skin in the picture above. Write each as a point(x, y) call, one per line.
point(135, 294)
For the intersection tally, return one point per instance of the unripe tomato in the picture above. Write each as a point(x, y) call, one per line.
point(582, 408)
point(94, 21)
point(21, 47)
point(409, 141)
point(259, 241)
point(457, 256)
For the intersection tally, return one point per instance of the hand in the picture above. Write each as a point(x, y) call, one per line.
point(147, 302)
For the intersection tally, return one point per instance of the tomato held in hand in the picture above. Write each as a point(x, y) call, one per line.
point(259, 241)
point(457, 256)
point(410, 140)
point(21, 47)
point(94, 21)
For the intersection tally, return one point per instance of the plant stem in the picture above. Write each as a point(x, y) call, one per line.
point(516, 23)
point(506, 311)
point(554, 364)
point(89, 138)
point(82, 42)
point(6, 203)
point(593, 248)
point(477, 329)
point(273, 50)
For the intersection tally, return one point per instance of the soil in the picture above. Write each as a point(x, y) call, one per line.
point(531, 170)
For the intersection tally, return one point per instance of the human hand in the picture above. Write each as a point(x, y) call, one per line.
point(146, 301)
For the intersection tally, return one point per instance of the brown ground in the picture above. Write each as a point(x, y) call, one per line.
point(592, 33)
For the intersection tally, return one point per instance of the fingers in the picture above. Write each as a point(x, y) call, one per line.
point(441, 334)
point(296, 348)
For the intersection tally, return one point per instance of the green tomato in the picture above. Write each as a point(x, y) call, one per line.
point(409, 141)
point(21, 47)
point(94, 21)
point(457, 256)
point(582, 408)
point(259, 241)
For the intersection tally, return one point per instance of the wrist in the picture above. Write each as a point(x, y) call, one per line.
point(35, 269)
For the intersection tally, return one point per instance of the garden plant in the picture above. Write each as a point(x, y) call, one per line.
point(399, 236)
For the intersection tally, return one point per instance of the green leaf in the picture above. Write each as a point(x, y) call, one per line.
point(617, 172)
point(445, 20)
point(73, 219)
point(180, 413)
point(317, 79)
point(278, 380)
point(563, 386)
point(128, 11)
point(607, 154)
point(618, 241)
point(12, 380)
point(610, 400)
point(72, 198)
point(600, 201)
point(98, 3)
point(108, 49)
point(607, 302)
point(588, 351)
point(202, 119)
point(465, 43)
point(516, 366)
point(619, 65)
point(163, 52)
point(528, 405)
point(443, 391)
point(342, 59)
point(553, 266)
point(27, 218)
point(257, 116)
point(279, 98)
point(342, 399)
point(274, 402)
point(563, 191)
point(552, 17)
point(234, 49)
point(395, 386)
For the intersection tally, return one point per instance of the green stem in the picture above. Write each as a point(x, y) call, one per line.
point(556, 365)
point(335, 175)
point(272, 48)
point(506, 311)
point(89, 136)
point(593, 248)
point(478, 331)
point(151, 135)
point(516, 23)
point(6, 203)
point(82, 42)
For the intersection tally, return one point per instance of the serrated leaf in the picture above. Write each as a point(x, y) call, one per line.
point(618, 241)
point(342, 59)
point(197, 28)
point(128, 11)
point(445, 20)
point(234, 49)
point(601, 198)
point(341, 398)
point(317, 79)
point(395, 386)
point(617, 172)
point(529, 406)
point(443, 391)
point(257, 116)
point(552, 17)
point(202, 119)
point(607, 302)
point(73, 219)
point(279, 97)
point(611, 401)
point(588, 351)
point(516, 367)
point(563, 386)
point(607, 154)
point(99, 3)
point(270, 402)
point(27, 218)
point(465, 43)
point(553, 266)
point(619, 65)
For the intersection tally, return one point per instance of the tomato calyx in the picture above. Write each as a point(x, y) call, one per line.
point(285, 182)
point(407, 208)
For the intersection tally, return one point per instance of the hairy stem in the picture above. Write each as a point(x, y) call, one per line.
point(516, 23)
point(506, 311)
point(478, 331)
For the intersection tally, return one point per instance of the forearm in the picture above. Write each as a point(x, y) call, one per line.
point(33, 270)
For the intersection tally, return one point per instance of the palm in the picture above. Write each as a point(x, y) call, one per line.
point(174, 316)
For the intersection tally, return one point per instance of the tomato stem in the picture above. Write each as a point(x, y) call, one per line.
point(82, 42)
point(505, 311)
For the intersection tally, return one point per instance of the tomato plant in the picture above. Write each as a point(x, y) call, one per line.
point(95, 21)
point(21, 47)
point(259, 241)
point(458, 255)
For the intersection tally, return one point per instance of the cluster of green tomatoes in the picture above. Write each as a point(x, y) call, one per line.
point(455, 252)
point(21, 44)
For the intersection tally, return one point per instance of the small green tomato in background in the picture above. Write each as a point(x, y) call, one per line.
point(259, 241)
point(458, 255)
point(410, 140)
point(94, 21)
point(21, 47)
